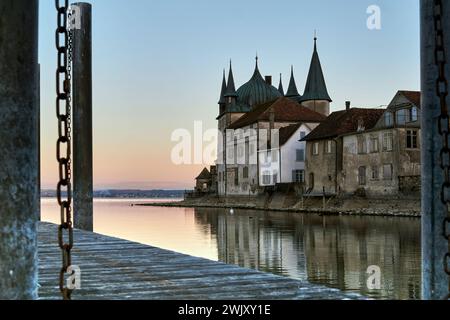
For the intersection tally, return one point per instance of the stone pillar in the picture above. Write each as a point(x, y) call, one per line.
point(18, 148)
point(434, 246)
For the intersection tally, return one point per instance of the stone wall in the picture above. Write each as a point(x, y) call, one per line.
point(410, 184)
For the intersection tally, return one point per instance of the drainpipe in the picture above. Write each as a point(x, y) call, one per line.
point(435, 281)
point(336, 166)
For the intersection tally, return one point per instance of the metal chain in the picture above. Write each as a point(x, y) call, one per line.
point(63, 146)
point(444, 124)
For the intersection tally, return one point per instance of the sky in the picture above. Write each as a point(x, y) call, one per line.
point(157, 67)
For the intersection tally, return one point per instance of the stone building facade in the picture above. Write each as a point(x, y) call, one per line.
point(385, 160)
point(367, 152)
point(325, 148)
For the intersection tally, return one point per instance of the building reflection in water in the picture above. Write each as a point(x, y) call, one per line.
point(334, 251)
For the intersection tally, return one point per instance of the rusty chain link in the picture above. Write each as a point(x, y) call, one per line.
point(63, 145)
point(444, 124)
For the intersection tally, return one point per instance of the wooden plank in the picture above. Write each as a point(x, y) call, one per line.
point(115, 269)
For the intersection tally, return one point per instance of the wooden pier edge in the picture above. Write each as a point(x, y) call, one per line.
point(116, 269)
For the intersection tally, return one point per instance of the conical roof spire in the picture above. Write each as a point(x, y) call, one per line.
point(292, 90)
point(224, 89)
point(280, 86)
point(257, 74)
point(315, 88)
point(231, 88)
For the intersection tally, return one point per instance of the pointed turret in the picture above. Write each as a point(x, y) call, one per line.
point(231, 88)
point(280, 86)
point(224, 89)
point(292, 92)
point(316, 88)
point(316, 95)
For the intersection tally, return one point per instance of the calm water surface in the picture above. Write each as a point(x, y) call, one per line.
point(333, 251)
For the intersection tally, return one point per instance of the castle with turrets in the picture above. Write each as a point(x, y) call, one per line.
point(259, 105)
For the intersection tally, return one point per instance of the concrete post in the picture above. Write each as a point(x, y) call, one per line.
point(434, 246)
point(82, 120)
point(38, 134)
point(18, 149)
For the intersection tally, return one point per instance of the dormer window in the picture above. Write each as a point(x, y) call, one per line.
point(388, 119)
point(414, 114)
point(361, 125)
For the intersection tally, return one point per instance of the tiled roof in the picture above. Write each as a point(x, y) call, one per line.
point(287, 132)
point(285, 110)
point(413, 96)
point(204, 175)
point(344, 122)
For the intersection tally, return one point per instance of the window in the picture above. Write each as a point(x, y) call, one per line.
point(298, 176)
point(315, 148)
point(362, 176)
point(362, 145)
point(411, 139)
point(311, 181)
point(401, 116)
point(414, 114)
point(275, 178)
point(302, 135)
point(388, 141)
point(252, 149)
point(275, 156)
point(375, 173)
point(300, 155)
point(388, 119)
point(266, 178)
point(387, 172)
point(374, 144)
point(240, 151)
point(236, 177)
point(245, 173)
point(329, 146)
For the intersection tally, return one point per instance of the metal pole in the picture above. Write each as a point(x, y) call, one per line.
point(82, 119)
point(18, 149)
point(434, 246)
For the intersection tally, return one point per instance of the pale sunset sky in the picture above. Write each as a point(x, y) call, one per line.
point(158, 65)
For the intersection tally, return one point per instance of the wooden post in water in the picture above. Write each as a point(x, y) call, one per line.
point(18, 149)
point(435, 282)
point(82, 118)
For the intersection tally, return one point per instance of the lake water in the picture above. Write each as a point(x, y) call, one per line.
point(332, 251)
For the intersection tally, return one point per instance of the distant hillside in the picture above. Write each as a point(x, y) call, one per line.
point(133, 194)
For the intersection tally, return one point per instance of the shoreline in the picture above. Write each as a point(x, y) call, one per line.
point(375, 211)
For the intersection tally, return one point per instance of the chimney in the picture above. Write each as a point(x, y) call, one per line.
point(347, 105)
point(269, 80)
point(272, 118)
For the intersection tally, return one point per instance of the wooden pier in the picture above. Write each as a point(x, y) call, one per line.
point(115, 269)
